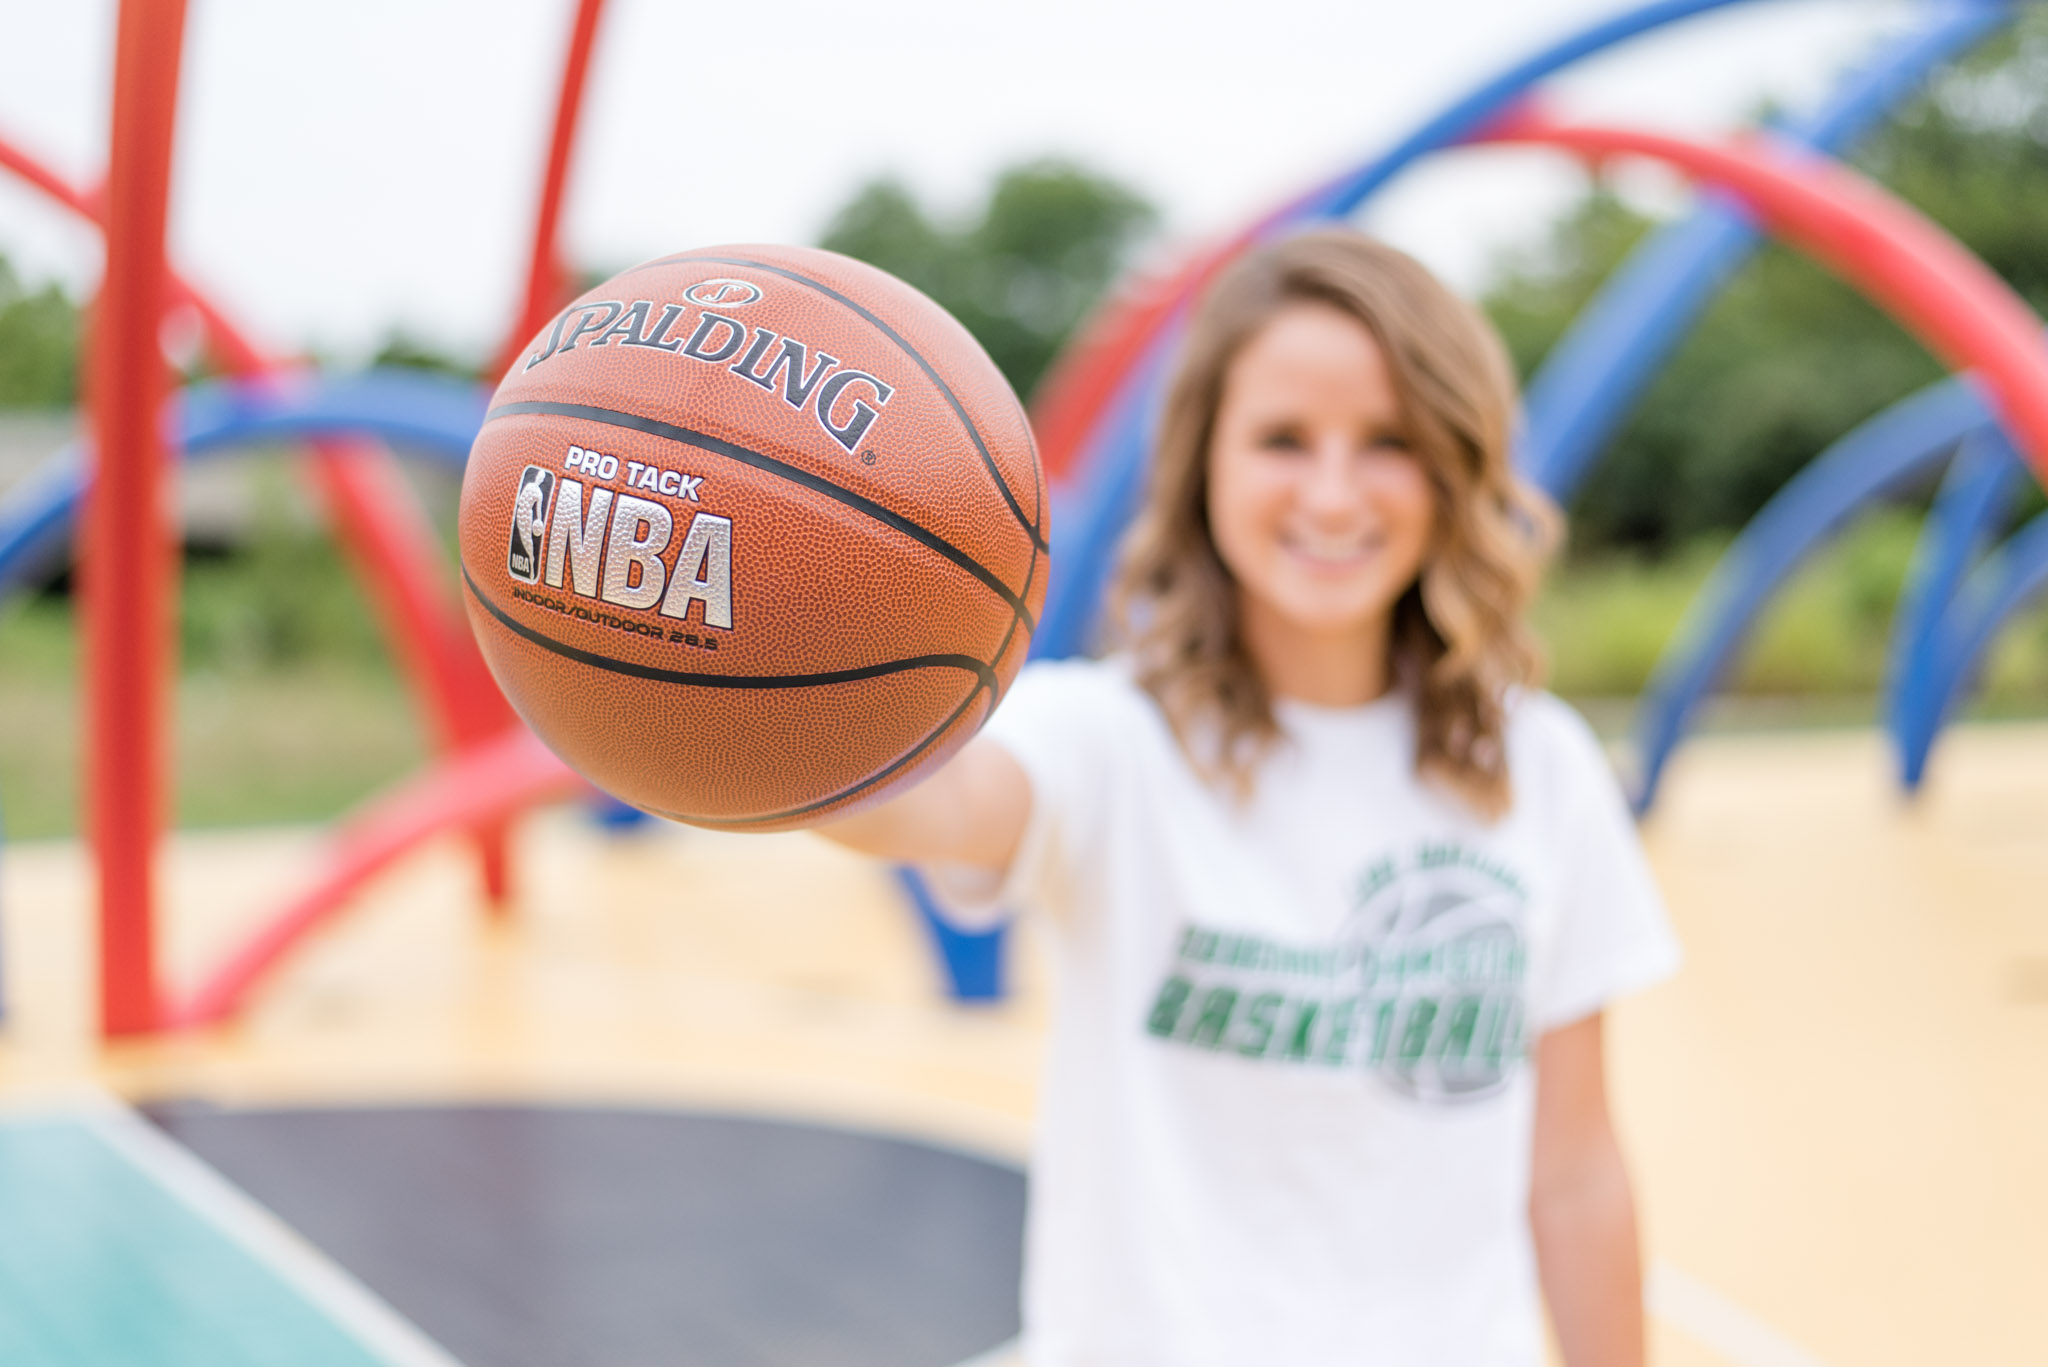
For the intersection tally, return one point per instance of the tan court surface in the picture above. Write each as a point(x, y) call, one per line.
point(1838, 1113)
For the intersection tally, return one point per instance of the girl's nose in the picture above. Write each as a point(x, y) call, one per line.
point(1331, 483)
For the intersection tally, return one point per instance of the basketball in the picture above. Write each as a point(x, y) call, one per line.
point(753, 535)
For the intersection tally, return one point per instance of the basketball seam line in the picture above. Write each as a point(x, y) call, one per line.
point(1030, 573)
point(1035, 529)
point(761, 461)
point(984, 675)
point(870, 781)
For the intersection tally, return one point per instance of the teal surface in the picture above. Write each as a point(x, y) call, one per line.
point(102, 1267)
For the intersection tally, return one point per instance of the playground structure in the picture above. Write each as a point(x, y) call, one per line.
point(1093, 419)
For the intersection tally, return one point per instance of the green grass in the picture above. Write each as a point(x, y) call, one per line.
point(285, 709)
point(1820, 643)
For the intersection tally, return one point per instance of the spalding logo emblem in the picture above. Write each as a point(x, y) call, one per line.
point(722, 292)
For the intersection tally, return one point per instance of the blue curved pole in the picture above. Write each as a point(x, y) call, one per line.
point(1877, 456)
point(1470, 112)
point(1105, 497)
point(1978, 489)
point(36, 518)
point(433, 416)
point(2005, 582)
point(1590, 379)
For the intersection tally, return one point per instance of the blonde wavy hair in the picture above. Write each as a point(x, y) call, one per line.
point(1458, 642)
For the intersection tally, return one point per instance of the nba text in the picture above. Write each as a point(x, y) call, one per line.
point(600, 543)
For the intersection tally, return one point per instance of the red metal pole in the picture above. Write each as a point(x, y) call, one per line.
point(131, 562)
point(544, 266)
point(544, 292)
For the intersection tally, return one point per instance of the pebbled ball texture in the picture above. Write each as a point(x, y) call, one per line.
point(753, 535)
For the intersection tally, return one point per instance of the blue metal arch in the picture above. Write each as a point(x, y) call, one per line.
point(431, 415)
point(1897, 444)
point(2006, 581)
point(1104, 497)
point(1976, 493)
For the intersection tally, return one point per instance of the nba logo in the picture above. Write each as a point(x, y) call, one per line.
point(529, 523)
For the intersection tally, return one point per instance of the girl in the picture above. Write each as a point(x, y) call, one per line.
point(1334, 898)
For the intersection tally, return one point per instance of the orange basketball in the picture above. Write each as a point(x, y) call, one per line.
point(752, 535)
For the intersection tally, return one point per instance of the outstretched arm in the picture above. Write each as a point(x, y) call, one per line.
point(1581, 1209)
point(970, 812)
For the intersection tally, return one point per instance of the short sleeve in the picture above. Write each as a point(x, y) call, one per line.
point(1058, 720)
point(1612, 935)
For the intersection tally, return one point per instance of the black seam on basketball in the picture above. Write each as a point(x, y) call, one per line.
point(1030, 566)
point(794, 474)
point(988, 682)
point(985, 677)
point(1010, 633)
point(1044, 537)
point(1034, 527)
point(870, 781)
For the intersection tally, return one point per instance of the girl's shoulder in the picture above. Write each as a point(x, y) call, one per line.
point(1082, 705)
point(1553, 751)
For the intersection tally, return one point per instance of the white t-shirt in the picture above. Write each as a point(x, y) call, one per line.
point(1287, 1112)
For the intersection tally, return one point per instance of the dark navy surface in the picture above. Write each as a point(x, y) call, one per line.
point(539, 1236)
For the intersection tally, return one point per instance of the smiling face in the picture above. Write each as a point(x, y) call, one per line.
point(1317, 505)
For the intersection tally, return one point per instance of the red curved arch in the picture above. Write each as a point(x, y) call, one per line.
point(544, 272)
point(1085, 375)
point(480, 788)
point(1902, 261)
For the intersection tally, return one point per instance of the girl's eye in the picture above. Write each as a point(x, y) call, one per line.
point(1390, 442)
point(1281, 439)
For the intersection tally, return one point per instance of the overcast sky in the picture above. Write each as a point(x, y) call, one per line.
point(350, 166)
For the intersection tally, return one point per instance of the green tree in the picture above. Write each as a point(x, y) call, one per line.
point(1787, 358)
point(406, 351)
point(39, 335)
point(1022, 271)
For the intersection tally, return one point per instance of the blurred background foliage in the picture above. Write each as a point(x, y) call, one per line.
point(1021, 270)
point(289, 707)
point(1788, 358)
point(39, 339)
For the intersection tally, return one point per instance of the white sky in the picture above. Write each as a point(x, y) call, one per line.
point(350, 166)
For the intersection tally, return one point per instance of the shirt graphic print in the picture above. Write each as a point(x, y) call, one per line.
point(1423, 989)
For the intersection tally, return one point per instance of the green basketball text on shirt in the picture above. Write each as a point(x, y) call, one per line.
point(1423, 987)
point(1458, 1032)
